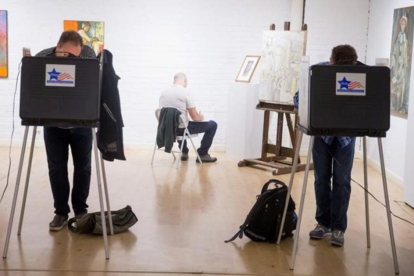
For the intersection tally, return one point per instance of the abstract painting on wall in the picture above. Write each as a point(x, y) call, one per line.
point(401, 60)
point(92, 33)
point(3, 45)
point(280, 64)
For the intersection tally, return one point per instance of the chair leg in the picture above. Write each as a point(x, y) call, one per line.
point(198, 156)
point(181, 149)
point(153, 152)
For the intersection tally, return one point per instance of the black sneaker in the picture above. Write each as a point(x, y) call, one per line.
point(184, 157)
point(337, 238)
point(79, 216)
point(58, 223)
point(319, 232)
point(206, 159)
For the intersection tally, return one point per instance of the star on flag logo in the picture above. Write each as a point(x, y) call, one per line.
point(58, 76)
point(350, 85)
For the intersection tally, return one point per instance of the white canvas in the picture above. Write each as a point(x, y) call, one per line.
point(280, 64)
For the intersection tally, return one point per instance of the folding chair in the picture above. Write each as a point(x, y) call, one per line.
point(186, 135)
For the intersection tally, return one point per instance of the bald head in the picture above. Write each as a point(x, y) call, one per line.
point(180, 79)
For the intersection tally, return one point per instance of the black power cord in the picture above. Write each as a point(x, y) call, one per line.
point(11, 139)
point(381, 203)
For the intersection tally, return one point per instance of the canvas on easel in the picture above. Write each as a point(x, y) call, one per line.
point(280, 64)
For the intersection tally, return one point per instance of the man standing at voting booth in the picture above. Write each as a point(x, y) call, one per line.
point(333, 157)
point(57, 141)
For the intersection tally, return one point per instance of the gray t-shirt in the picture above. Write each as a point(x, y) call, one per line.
point(179, 97)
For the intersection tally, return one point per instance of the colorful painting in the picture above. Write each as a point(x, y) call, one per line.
point(282, 52)
point(3, 45)
point(401, 60)
point(92, 33)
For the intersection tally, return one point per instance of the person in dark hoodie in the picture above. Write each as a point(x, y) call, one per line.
point(179, 97)
point(58, 140)
point(333, 158)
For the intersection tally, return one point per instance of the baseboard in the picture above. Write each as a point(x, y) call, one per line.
point(150, 146)
point(132, 146)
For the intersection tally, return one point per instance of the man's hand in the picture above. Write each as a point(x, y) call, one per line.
point(196, 116)
point(201, 116)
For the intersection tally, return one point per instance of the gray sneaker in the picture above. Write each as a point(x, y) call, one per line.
point(337, 238)
point(184, 157)
point(58, 223)
point(206, 159)
point(319, 232)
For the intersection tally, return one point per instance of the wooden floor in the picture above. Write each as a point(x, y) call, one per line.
point(184, 217)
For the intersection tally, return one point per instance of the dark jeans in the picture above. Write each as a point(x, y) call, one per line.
point(332, 161)
point(57, 143)
point(208, 128)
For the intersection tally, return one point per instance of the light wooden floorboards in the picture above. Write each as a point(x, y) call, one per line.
point(184, 217)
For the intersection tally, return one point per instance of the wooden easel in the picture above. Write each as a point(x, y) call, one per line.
point(280, 154)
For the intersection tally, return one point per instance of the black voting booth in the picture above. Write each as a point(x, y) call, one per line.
point(344, 101)
point(60, 92)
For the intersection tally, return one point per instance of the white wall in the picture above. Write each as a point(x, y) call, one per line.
point(151, 41)
point(379, 46)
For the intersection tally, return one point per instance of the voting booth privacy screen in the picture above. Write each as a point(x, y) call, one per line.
point(58, 91)
point(346, 100)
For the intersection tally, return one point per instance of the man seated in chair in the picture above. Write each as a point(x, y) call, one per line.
point(179, 97)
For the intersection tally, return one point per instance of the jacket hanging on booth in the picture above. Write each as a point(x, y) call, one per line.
point(110, 139)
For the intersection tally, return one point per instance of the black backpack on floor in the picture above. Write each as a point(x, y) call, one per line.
point(264, 219)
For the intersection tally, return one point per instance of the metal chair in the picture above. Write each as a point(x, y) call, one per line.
point(186, 135)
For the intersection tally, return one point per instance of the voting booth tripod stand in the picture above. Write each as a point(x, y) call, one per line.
point(29, 166)
point(302, 199)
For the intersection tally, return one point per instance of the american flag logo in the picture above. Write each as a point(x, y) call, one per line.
point(355, 85)
point(64, 76)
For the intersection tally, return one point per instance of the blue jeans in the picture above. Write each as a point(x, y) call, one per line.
point(57, 143)
point(332, 161)
point(208, 128)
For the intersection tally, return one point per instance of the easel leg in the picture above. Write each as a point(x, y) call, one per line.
point(98, 173)
point(26, 188)
point(111, 227)
point(16, 192)
point(292, 176)
point(302, 201)
point(364, 143)
point(387, 204)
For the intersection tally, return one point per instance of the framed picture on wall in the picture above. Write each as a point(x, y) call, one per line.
point(247, 69)
point(4, 66)
point(92, 32)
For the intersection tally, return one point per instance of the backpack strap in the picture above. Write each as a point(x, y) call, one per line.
point(275, 181)
point(238, 234)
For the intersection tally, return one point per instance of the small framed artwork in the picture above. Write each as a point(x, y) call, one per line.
point(247, 69)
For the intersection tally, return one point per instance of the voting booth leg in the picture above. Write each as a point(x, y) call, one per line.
point(292, 176)
point(98, 174)
point(302, 202)
point(364, 145)
point(108, 206)
point(26, 187)
point(16, 192)
point(387, 204)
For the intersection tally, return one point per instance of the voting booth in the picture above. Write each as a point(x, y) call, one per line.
point(59, 92)
point(343, 100)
